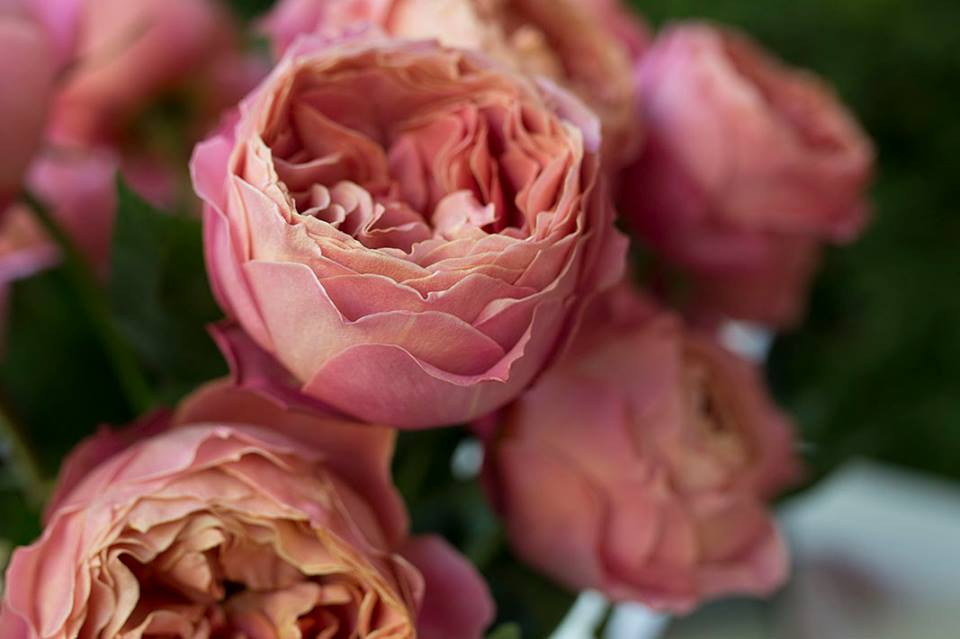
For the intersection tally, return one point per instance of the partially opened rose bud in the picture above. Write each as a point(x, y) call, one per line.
point(745, 158)
point(409, 229)
point(640, 465)
point(567, 41)
point(243, 520)
point(28, 68)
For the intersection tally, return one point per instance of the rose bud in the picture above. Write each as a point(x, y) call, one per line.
point(565, 40)
point(28, 70)
point(243, 520)
point(746, 159)
point(639, 465)
point(410, 230)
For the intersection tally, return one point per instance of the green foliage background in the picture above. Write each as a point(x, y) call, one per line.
point(874, 372)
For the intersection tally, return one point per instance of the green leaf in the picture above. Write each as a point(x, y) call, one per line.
point(506, 631)
point(250, 9)
point(160, 297)
point(57, 381)
point(524, 597)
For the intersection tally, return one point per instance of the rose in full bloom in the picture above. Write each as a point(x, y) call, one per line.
point(243, 520)
point(409, 229)
point(32, 41)
point(746, 161)
point(577, 43)
point(640, 464)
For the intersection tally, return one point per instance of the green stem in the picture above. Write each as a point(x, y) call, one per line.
point(135, 387)
point(601, 630)
point(22, 460)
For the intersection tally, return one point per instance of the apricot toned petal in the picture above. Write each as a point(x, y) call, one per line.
point(360, 453)
point(96, 450)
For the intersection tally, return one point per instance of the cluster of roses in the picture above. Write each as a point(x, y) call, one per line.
point(410, 222)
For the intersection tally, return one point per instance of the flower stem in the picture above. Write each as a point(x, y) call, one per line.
point(129, 374)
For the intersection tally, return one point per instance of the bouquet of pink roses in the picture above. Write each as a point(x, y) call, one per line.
point(404, 224)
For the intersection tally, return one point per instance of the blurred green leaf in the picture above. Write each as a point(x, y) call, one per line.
point(54, 373)
point(249, 9)
point(440, 503)
point(506, 631)
point(19, 520)
point(160, 297)
point(531, 601)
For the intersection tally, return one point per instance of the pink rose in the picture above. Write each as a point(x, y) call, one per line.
point(409, 230)
point(623, 23)
point(132, 54)
point(640, 464)
point(243, 520)
point(28, 69)
point(745, 159)
point(565, 40)
point(79, 189)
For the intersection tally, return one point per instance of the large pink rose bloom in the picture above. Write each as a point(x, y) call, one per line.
point(32, 43)
point(746, 160)
point(565, 40)
point(409, 230)
point(244, 520)
point(640, 465)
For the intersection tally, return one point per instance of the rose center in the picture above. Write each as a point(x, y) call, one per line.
point(712, 413)
point(212, 579)
point(391, 163)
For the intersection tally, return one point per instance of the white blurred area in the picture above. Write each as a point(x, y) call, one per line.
point(877, 556)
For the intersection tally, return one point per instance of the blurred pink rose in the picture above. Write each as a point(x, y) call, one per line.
point(745, 159)
point(565, 40)
point(640, 464)
point(79, 190)
point(623, 23)
point(134, 55)
point(243, 520)
point(130, 55)
point(31, 58)
point(409, 230)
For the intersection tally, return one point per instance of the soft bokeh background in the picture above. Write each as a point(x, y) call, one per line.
point(873, 377)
